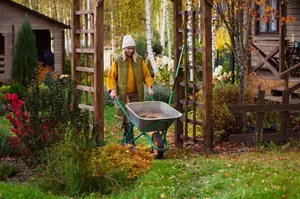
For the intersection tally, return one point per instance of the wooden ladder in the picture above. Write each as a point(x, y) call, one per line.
point(87, 60)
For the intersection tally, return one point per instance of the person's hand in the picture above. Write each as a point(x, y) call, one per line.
point(113, 94)
point(150, 90)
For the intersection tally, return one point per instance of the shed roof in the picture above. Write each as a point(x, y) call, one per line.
point(37, 14)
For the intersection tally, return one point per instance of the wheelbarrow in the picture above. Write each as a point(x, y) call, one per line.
point(150, 116)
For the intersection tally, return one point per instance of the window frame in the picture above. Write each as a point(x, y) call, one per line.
point(267, 32)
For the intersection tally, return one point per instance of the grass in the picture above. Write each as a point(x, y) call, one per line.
point(255, 175)
point(251, 175)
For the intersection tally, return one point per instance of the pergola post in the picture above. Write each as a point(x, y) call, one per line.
point(207, 76)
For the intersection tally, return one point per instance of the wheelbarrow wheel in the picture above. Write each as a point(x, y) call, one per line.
point(159, 143)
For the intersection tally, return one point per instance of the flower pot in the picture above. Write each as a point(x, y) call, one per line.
point(252, 130)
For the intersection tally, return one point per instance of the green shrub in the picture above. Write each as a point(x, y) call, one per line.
point(3, 90)
point(161, 93)
point(24, 68)
point(7, 170)
point(68, 65)
point(18, 89)
point(41, 120)
point(65, 167)
point(225, 122)
point(5, 148)
point(141, 46)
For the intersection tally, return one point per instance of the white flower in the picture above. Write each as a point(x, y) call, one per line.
point(165, 60)
point(171, 65)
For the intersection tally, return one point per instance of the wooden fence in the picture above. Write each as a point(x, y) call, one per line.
point(260, 108)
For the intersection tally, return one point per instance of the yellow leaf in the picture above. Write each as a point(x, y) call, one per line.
point(162, 195)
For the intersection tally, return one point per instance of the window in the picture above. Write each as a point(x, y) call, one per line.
point(1, 44)
point(271, 24)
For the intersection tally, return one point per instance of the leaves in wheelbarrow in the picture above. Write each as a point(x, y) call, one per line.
point(152, 115)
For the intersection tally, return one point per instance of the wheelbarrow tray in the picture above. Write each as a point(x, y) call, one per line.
point(166, 114)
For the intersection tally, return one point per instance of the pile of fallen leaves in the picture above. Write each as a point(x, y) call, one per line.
point(115, 159)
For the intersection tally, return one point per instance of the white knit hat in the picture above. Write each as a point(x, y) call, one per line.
point(128, 41)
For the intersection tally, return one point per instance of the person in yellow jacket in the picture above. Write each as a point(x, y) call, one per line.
point(126, 79)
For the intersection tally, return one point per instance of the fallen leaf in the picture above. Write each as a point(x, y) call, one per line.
point(162, 195)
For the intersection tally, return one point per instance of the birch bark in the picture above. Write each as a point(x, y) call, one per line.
point(168, 28)
point(149, 36)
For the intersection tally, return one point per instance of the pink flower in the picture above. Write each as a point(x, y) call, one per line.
point(8, 96)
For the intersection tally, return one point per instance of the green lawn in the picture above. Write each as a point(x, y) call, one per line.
point(252, 175)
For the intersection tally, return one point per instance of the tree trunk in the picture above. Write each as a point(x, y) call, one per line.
point(189, 39)
point(149, 36)
point(200, 21)
point(162, 27)
point(168, 28)
point(213, 28)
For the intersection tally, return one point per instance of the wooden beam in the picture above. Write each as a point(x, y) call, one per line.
point(84, 50)
point(282, 34)
point(259, 117)
point(270, 55)
point(284, 115)
point(75, 24)
point(289, 70)
point(83, 12)
point(266, 62)
point(85, 88)
point(178, 94)
point(199, 86)
point(191, 103)
point(84, 31)
point(183, 119)
point(264, 108)
point(207, 76)
point(85, 69)
point(86, 107)
point(295, 87)
point(99, 68)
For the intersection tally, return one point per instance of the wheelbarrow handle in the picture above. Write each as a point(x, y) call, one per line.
point(151, 98)
point(122, 108)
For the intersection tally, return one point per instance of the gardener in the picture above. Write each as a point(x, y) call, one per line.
point(126, 79)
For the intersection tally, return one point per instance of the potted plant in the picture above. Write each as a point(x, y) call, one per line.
point(267, 127)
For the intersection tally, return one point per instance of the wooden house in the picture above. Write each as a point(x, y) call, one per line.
point(268, 41)
point(49, 35)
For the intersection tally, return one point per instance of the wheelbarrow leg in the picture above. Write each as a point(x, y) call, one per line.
point(128, 134)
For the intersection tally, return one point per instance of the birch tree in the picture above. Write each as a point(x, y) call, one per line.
point(149, 35)
point(162, 27)
point(168, 28)
point(189, 37)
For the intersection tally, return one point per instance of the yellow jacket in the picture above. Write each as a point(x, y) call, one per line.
point(131, 86)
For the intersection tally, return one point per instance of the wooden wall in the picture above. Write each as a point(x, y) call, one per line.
point(10, 16)
point(268, 43)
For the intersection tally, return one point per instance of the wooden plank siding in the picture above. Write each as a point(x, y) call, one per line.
point(11, 15)
point(268, 43)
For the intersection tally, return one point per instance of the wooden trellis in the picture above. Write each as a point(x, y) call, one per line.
point(91, 66)
point(184, 83)
point(87, 61)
